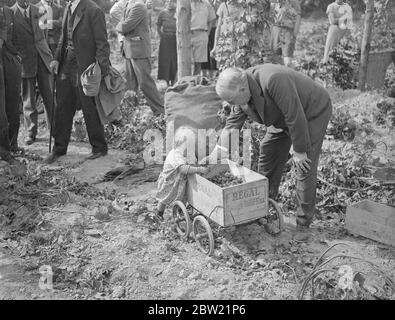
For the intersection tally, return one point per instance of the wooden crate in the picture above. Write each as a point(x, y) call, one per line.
point(230, 205)
point(372, 220)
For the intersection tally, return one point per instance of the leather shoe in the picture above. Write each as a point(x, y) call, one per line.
point(52, 158)
point(95, 155)
point(29, 140)
point(16, 149)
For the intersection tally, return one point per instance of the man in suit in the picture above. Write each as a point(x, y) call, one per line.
point(51, 16)
point(296, 111)
point(29, 40)
point(137, 52)
point(10, 84)
point(82, 42)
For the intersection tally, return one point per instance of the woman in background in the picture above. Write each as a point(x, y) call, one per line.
point(340, 19)
point(167, 64)
point(227, 17)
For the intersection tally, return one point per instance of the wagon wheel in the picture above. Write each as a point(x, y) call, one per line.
point(203, 235)
point(275, 221)
point(181, 219)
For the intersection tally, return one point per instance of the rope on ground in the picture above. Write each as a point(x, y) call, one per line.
point(320, 264)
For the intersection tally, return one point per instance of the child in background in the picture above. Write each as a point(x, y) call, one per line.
point(173, 179)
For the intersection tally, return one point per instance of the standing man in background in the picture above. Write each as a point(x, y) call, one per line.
point(136, 50)
point(29, 41)
point(202, 20)
point(287, 18)
point(51, 22)
point(10, 85)
point(82, 42)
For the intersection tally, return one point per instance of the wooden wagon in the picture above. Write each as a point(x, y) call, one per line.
point(228, 206)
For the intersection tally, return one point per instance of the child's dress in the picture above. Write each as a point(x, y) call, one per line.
point(171, 182)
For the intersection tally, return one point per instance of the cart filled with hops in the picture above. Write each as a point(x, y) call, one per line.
point(228, 195)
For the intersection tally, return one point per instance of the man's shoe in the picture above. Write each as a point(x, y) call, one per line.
point(16, 149)
point(5, 155)
point(95, 155)
point(29, 140)
point(51, 158)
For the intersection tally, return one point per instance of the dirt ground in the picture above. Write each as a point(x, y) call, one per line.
point(98, 252)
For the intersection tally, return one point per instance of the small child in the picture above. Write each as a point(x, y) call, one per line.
point(173, 179)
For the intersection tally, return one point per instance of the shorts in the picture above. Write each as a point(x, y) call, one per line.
point(199, 42)
point(283, 41)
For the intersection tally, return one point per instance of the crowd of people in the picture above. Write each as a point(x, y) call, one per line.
point(45, 47)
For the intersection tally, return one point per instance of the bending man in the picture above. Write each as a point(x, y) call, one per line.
point(296, 111)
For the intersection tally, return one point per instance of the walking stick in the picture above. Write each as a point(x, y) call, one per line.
point(52, 113)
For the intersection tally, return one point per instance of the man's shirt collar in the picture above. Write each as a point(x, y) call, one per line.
point(22, 10)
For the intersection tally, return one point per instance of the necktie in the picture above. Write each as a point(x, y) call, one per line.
point(27, 19)
point(69, 10)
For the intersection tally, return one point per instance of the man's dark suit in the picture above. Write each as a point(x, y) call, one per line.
point(291, 101)
point(89, 40)
point(137, 52)
point(10, 83)
point(29, 40)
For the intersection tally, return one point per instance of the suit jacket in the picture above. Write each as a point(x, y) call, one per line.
point(57, 17)
point(30, 41)
point(89, 38)
point(135, 27)
point(6, 30)
point(288, 100)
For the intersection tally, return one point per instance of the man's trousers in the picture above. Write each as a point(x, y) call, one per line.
point(138, 73)
point(273, 156)
point(11, 85)
point(69, 95)
point(44, 81)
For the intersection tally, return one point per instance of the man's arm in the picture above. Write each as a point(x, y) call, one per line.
point(284, 93)
point(235, 121)
point(117, 10)
point(57, 23)
point(135, 16)
point(159, 24)
point(100, 36)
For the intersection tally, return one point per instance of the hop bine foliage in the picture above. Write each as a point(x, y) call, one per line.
point(245, 39)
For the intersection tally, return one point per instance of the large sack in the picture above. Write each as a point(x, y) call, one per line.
point(192, 102)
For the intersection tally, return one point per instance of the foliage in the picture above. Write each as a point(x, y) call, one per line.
point(383, 35)
point(341, 126)
point(352, 153)
point(385, 113)
point(343, 67)
point(136, 119)
point(341, 71)
point(244, 41)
